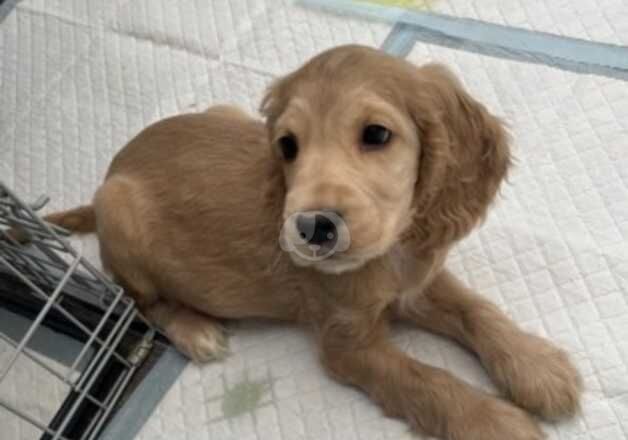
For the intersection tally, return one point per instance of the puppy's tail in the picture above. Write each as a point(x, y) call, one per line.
point(81, 220)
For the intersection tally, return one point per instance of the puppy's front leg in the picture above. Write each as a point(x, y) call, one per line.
point(198, 336)
point(430, 399)
point(532, 372)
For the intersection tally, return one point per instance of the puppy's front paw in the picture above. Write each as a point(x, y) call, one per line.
point(200, 340)
point(494, 419)
point(539, 377)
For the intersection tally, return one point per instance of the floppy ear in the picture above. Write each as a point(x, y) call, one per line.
point(464, 158)
point(270, 105)
point(276, 98)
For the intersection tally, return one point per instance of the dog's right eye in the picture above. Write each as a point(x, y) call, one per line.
point(375, 137)
point(289, 147)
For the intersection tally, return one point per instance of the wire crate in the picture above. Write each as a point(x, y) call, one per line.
point(67, 352)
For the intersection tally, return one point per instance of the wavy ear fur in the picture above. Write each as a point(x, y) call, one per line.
point(276, 98)
point(464, 158)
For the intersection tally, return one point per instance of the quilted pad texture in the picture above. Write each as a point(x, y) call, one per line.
point(79, 78)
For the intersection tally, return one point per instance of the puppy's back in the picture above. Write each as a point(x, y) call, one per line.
point(208, 183)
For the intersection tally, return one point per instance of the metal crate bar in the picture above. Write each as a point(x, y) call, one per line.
point(93, 377)
point(118, 331)
point(55, 294)
point(26, 352)
point(65, 291)
point(58, 307)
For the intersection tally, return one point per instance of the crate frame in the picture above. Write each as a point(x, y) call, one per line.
point(60, 289)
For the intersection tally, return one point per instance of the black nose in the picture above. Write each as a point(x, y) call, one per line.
point(317, 228)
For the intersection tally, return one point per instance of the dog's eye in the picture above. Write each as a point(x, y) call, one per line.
point(289, 147)
point(375, 136)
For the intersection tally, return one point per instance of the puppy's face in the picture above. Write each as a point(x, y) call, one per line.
point(346, 130)
point(350, 167)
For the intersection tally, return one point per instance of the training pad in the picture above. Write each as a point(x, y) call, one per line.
point(80, 78)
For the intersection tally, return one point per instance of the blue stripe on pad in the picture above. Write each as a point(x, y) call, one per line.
point(400, 40)
point(491, 39)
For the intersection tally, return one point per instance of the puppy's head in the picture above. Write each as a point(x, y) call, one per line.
point(374, 150)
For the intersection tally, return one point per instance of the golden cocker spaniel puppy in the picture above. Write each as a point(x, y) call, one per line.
point(337, 213)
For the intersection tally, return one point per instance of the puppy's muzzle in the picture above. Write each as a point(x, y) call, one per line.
point(313, 236)
point(317, 227)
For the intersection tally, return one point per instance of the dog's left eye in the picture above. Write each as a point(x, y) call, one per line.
point(375, 136)
point(289, 147)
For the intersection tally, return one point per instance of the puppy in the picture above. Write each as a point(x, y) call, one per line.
point(337, 213)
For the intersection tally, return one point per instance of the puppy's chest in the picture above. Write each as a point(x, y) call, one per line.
point(413, 274)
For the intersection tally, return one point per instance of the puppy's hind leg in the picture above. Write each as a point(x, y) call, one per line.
point(534, 373)
point(199, 337)
point(431, 399)
point(125, 251)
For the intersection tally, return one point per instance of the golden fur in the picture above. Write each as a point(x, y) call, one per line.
point(189, 215)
